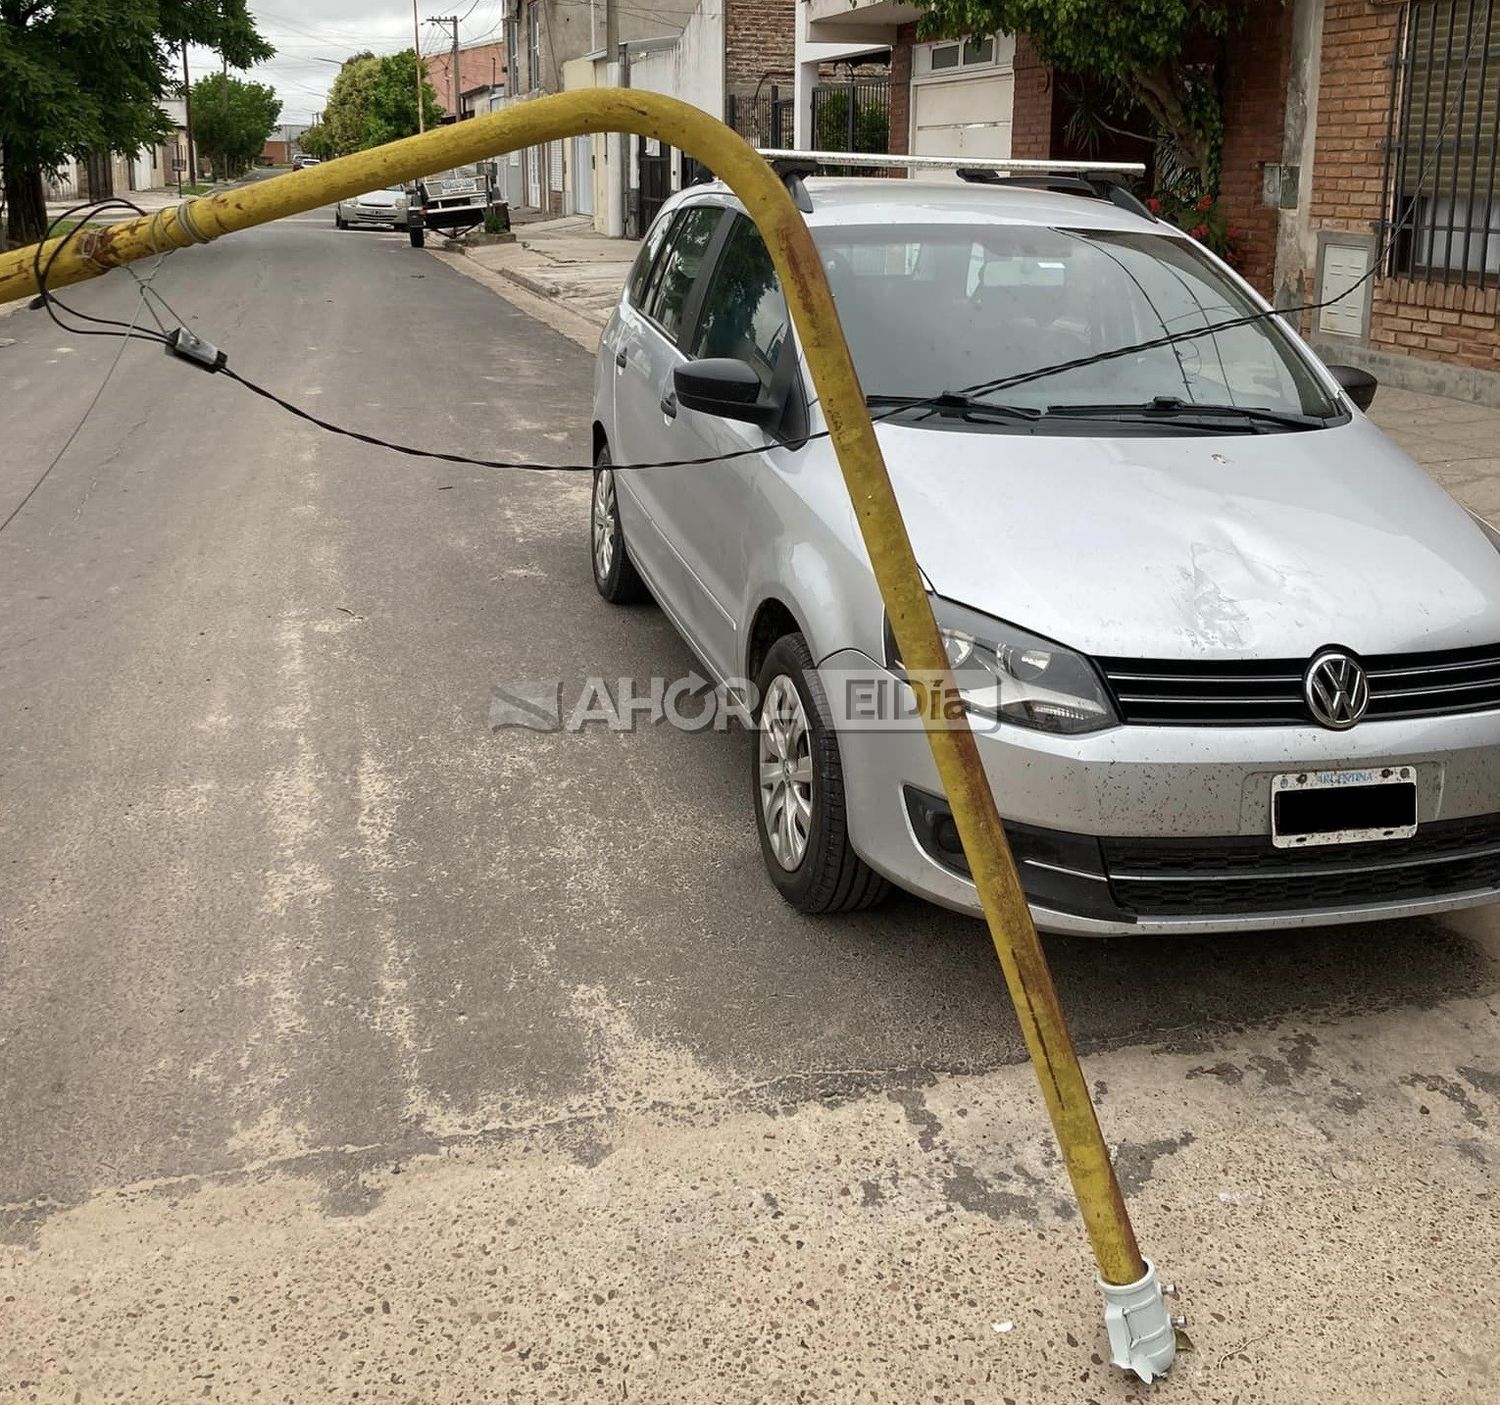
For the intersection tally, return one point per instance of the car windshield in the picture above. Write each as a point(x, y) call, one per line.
point(946, 307)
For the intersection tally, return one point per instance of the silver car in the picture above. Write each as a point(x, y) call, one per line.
point(1233, 658)
point(375, 207)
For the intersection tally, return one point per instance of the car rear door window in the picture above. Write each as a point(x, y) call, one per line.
point(645, 261)
point(677, 269)
point(744, 312)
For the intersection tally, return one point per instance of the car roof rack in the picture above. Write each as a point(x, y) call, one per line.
point(1099, 180)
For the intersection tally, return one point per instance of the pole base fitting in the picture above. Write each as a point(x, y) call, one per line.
point(1141, 1338)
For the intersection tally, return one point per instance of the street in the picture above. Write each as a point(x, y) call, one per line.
point(352, 1045)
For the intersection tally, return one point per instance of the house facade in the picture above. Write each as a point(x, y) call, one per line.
point(481, 67)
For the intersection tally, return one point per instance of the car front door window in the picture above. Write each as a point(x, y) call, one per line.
point(677, 269)
point(744, 312)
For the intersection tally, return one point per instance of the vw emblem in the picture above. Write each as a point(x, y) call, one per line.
point(1336, 689)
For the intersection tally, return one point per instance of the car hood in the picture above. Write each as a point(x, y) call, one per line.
point(380, 199)
point(1196, 546)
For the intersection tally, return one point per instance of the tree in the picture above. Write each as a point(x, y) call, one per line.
point(374, 100)
point(315, 141)
point(84, 76)
point(1159, 54)
point(232, 119)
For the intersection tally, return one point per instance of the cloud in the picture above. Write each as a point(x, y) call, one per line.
point(312, 37)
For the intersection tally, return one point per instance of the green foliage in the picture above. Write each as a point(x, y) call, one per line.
point(315, 141)
point(80, 76)
point(495, 222)
point(232, 119)
point(373, 101)
point(1205, 218)
point(871, 124)
point(1156, 54)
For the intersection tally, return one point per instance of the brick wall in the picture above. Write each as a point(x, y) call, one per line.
point(1256, 68)
point(478, 67)
point(1434, 321)
point(901, 50)
point(1031, 133)
point(760, 42)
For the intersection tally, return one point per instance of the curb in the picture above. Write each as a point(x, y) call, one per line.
point(539, 286)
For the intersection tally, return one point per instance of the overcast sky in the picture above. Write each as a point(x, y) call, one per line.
point(312, 37)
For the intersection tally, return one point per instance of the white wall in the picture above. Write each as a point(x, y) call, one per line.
point(692, 69)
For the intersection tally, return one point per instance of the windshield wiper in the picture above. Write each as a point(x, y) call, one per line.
point(954, 405)
point(1172, 407)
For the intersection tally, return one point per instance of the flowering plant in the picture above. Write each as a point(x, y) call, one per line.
point(1203, 217)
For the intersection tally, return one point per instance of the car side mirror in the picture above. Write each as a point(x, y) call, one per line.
point(728, 388)
point(1359, 386)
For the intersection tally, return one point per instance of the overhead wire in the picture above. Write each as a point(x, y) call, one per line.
point(127, 336)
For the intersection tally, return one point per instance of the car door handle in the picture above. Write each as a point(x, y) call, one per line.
point(620, 359)
point(669, 404)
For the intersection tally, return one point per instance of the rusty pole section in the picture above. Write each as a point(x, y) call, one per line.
point(1140, 1335)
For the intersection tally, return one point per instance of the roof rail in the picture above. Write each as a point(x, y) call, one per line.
point(891, 160)
point(792, 167)
point(1098, 179)
point(1100, 187)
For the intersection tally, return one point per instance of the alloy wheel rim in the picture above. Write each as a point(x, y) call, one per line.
point(784, 756)
point(604, 523)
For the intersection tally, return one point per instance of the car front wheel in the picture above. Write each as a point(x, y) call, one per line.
point(615, 575)
point(797, 781)
point(339, 222)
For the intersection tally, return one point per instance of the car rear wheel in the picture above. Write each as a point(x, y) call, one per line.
point(615, 575)
point(797, 781)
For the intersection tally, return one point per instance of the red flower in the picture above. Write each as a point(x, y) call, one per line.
point(1206, 204)
point(1154, 205)
point(1198, 231)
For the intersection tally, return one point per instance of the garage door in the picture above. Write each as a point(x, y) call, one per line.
point(967, 117)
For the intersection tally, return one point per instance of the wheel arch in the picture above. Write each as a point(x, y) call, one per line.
point(773, 619)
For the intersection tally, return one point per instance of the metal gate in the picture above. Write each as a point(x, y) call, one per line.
point(763, 119)
point(655, 159)
point(99, 175)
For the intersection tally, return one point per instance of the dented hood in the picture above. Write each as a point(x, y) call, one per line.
point(1195, 546)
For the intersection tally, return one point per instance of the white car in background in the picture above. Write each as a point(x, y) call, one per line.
point(387, 208)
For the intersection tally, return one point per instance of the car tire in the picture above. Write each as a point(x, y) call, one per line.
point(418, 237)
point(615, 576)
point(797, 789)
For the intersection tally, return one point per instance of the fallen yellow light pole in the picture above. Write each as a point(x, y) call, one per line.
point(1140, 1331)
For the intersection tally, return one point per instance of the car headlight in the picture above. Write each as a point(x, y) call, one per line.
point(1012, 676)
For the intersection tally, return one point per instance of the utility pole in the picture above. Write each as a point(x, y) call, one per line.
point(416, 49)
point(187, 117)
point(452, 20)
point(224, 112)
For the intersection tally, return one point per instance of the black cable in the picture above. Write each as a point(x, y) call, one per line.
point(49, 300)
point(83, 419)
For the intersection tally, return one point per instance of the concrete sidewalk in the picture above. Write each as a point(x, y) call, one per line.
point(564, 260)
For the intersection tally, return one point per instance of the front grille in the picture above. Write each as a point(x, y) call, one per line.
point(1248, 874)
point(1261, 693)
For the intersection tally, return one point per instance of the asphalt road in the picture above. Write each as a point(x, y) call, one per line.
point(307, 969)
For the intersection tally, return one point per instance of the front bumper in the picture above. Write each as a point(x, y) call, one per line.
point(396, 219)
point(1166, 829)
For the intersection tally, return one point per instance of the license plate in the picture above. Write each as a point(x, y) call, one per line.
point(1343, 807)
